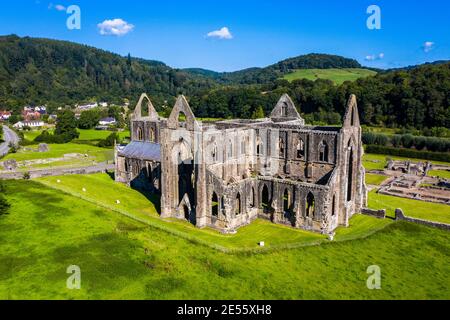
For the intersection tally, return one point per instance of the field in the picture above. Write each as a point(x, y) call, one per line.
point(85, 134)
point(413, 208)
point(87, 156)
point(338, 76)
point(440, 173)
point(378, 161)
point(120, 258)
point(375, 179)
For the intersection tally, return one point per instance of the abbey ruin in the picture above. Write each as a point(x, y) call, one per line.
point(225, 174)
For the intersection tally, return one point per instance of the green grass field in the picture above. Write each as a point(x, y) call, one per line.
point(93, 134)
point(378, 161)
point(48, 230)
point(94, 154)
point(440, 173)
point(85, 134)
point(338, 76)
point(412, 208)
point(375, 179)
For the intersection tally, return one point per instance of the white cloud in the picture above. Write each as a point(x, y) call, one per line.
point(428, 46)
point(223, 33)
point(60, 7)
point(374, 57)
point(115, 27)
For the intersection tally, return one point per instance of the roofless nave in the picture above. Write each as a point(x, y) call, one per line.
point(227, 173)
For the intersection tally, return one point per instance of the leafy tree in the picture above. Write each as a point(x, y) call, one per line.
point(110, 140)
point(89, 119)
point(66, 126)
point(258, 113)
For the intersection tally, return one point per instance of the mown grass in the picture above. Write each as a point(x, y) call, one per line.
point(338, 76)
point(412, 208)
point(59, 150)
point(445, 174)
point(104, 192)
point(379, 161)
point(375, 179)
point(85, 134)
point(48, 230)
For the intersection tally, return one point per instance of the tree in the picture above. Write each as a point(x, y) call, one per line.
point(109, 141)
point(89, 119)
point(258, 113)
point(66, 126)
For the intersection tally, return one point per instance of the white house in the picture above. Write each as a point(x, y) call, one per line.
point(107, 121)
point(30, 124)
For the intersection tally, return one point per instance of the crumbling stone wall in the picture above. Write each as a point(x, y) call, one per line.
point(226, 174)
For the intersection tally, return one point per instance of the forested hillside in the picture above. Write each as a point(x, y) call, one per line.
point(419, 98)
point(57, 73)
point(41, 71)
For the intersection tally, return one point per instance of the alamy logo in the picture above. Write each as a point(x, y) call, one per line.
point(374, 280)
point(74, 21)
point(374, 20)
point(74, 281)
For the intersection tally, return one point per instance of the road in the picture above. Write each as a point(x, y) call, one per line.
point(9, 136)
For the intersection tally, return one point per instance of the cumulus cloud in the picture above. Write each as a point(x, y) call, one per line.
point(115, 27)
point(374, 57)
point(60, 7)
point(223, 33)
point(428, 46)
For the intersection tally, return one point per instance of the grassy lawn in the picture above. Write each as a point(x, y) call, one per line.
point(412, 208)
point(104, 192)
point(375, 179)
point(445, 174)
point(92, 134)
point(381, 158)
point(47, 231)
point(85, 134)
point(338, 76)
point(58, 151)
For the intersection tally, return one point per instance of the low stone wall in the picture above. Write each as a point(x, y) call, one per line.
point(399, 215)
point(380, 214)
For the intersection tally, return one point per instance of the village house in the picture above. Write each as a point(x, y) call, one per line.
point(5, 115)
point(33, 124)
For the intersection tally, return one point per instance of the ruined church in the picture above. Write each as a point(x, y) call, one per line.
point(225, 174)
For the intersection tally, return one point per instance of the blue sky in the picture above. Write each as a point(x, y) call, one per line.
point(259, 32)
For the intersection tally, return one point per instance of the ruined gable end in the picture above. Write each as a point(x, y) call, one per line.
point(182, 107)
point(351, 117)
point(146, 103)
point(285, 108)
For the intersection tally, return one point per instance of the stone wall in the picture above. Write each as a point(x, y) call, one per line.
point(399, 215)
point(381, 214)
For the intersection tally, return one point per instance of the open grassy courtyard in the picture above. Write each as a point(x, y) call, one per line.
point(120, 258)
point(412, 208)
point(87, 155)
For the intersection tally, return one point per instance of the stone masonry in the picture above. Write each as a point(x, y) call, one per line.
point(225, 174)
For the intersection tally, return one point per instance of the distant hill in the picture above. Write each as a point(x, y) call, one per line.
point(338, 76)
point(57, 73)
point(279, 69)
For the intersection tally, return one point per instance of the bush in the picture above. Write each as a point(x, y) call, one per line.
point(109, 141)
point(47, 137)
point(4, 205)
point(407, 140)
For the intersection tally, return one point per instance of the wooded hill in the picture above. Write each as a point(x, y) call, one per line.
point(57, 73)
